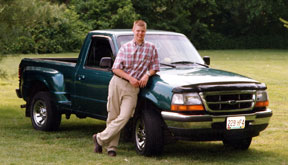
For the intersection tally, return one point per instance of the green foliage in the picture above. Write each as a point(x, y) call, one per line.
point(221, 24)
point(183, 16)
point(102, 14)
point(33, 26)
point(60, 1)
point(252, 41)
point(247, 16)
point(43, 26)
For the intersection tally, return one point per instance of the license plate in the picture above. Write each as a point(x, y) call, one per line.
point(235, 122)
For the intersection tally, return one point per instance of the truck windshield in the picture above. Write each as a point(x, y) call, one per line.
point(171, 48)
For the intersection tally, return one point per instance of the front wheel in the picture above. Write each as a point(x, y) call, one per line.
point(148, 133)
point(240, 144)
point(43, 112)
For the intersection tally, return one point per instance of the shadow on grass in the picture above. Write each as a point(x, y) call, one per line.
point(82, 127)
point(14, 124)
point(214, 152)
point(81, 130)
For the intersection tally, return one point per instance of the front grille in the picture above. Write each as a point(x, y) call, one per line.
point(229, 101)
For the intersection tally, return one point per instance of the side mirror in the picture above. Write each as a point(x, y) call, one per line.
point(206, 60)
point(106, 62)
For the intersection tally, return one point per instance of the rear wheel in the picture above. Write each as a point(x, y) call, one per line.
point(241, 144)
point(148, 133)
point(43, 112)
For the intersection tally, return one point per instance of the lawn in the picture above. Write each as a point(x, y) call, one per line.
point(72, 144)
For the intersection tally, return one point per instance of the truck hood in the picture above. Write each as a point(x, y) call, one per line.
point(193, 76)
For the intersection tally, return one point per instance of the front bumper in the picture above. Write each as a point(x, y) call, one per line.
point(213, 127)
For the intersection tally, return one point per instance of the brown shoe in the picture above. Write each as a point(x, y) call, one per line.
point(112, 153)
point(98, 147)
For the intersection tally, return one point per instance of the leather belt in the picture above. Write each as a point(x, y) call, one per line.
point(121, 77)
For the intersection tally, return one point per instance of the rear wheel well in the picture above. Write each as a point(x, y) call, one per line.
point(35, 87)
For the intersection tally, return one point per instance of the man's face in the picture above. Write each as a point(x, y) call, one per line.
point(139, 33)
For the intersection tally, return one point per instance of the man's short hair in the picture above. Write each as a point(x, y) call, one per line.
point(140, 23)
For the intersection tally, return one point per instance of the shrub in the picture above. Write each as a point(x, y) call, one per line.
point(47, 28)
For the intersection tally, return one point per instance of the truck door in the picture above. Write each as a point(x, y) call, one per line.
point(91, 84)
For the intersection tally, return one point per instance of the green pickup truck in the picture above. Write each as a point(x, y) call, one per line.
point(185, 100)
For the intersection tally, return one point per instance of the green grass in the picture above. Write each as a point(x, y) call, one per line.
point(72, 144)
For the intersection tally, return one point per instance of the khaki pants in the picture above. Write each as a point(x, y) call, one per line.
point(122, 100)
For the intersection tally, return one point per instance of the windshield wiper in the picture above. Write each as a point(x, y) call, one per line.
point(183, 62)
point(173, 66)
point(188, 62)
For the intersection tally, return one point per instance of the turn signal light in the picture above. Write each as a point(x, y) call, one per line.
point(187, 107)
point(262, 103)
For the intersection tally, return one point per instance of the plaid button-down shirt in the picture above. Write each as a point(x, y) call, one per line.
point(136, 60)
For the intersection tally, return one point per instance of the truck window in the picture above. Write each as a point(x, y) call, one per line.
point(171, 48)
point(100, 47)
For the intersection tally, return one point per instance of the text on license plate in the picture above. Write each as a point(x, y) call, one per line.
point(235, 122)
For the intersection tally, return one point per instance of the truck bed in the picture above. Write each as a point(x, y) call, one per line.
point(50, 62)
point(69, 60)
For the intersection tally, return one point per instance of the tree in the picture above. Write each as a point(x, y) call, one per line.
point(60, 1)
point(37, 26)
point(105, 14)
point(185, 16)
point(238, 18)
point(41, 26)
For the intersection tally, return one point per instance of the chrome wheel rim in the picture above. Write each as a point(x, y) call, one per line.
point(40, 113)
point(140, 134)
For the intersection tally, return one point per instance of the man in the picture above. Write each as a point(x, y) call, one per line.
point(135, 62)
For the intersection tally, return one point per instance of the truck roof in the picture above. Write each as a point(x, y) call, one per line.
point(118, 32)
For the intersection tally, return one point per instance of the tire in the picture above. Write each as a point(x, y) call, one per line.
point(239, 144)
point(148, 133)
point(127, 132)
point(43, 112)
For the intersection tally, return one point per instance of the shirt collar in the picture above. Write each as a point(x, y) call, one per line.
point(135, 44)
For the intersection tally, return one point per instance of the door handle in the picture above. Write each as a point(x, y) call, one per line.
point(81, 77)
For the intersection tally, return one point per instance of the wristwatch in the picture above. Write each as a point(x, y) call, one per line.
point(148, 73)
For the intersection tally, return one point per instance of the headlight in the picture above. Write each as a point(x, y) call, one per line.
point(178, 99)
point(262, 99)
point(186, 102)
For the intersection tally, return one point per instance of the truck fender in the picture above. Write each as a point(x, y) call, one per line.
point(51, 78)
point(153, 98)
point(158, 93)
point(149, 96)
